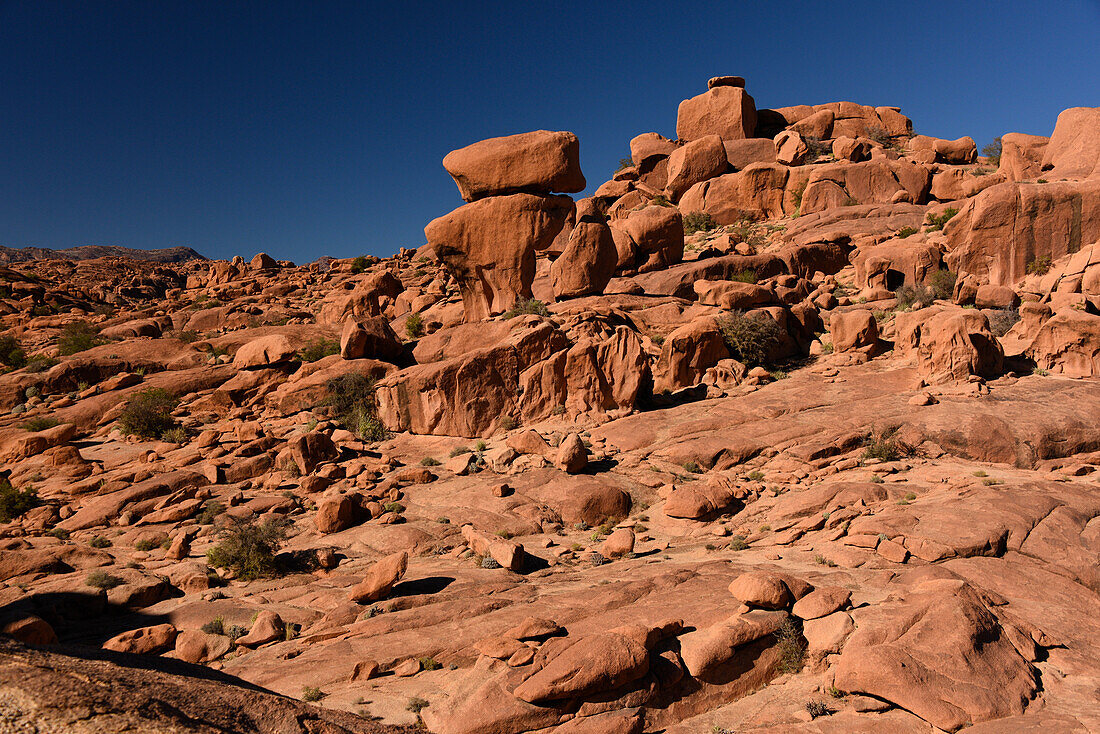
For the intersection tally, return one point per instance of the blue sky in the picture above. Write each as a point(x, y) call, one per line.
point(311, 128)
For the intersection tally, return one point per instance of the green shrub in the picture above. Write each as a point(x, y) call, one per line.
point(744, 276)
point(416, 705)
point(352, 397)
point(40, 363)
point(884, 446)
point(429, 461)
point(1039, 265)
point(210, 512)
point(248, 548)
point(174, 435)
point(906, 231)
point(660, 201)
point(698, 222)
point(879, 135)
point(942, 283)
point(318, 349)
point(625, 163)
point(751, 339)
point(817, 148)
point(215, 626)
point(525, 307)
point(429, 663)
point(359, 264)
point(909, 296)
point(11, 354)
point(102, 580)
point(791, 647)
point(14, 502)
point(312, 693)
point(78, 336)
point(414, 326)
point(797, 193)
point(817, 708)
point(40, 424)
point(1002, 320)
point(147, 544)
point(992, 151)
point(936, 222)
point(148, 414)
point(99, 542)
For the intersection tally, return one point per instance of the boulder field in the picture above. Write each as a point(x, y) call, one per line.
point(790, 426)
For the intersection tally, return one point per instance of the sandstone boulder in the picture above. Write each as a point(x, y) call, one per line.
point(593, 664)
point(380, 578)
point(538, 162)
point(589, 260)
point(1074, 148)
point(728, 112)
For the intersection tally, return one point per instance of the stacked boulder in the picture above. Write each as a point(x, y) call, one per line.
point(489, 244)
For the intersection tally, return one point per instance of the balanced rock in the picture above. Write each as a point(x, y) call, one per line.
point(538, 162)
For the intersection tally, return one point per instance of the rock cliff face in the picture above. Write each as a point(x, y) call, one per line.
point(790, 426)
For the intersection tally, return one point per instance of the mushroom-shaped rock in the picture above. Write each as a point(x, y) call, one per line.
point(380, 578)
point(760, 589)
point(593, 664)
point(538, 162)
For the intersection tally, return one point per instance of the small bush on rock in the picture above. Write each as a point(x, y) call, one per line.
point(751, 339)
point(698, 222)
point(149, 413)
point(526, 307)
point(352, 397)
point(414, 326)
point(78, 336)
point(936, 222)
point(11, 354)
point(319, 349)
point(248, 548)
point(359, 264)
point(992, 151)
point(102, 580)
point(14, 502)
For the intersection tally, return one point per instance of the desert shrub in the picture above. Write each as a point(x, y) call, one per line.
point(791, 647)
point(430, 663)
point(906, 231)
point(416, 704)
point(147, 544)
point(102, 580)
point(14, 502)
point(817, 708)
point(99, 542)
point(914, 296)
point(489, 562)
point(312, 693)
point(210, 512)
point(751, 339)
point(1039, 265)
point(187, 336)
point(414, 326)
point(879, 135)
point(40, 363)
point(39, 424)
point(816, 147)
point(738, 543)
point(1003, 319)
point(744, 276)
point(78, 336)
point(235, 632)
point(148, 414)
point(319, 349)
point(942, 283)
point(936, 222)
point(11, 354)
point(352, 397)
point(174, 435)
point(692, 467)
point(625, 163)
point(992, 151)
point(796, 197)
point(429, 461)
point(508, 423)
point(527, 306)
point(660, 201)
point(248, 548)
point(215, 626)
point(698, 222)
point(359, 264)
point(884, 446)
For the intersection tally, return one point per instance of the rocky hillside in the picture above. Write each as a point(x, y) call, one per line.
point(89, 252)
point(790, 427)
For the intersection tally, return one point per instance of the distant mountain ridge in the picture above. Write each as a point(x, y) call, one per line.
point(88, 252)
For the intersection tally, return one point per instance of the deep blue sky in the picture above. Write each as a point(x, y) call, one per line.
point(311, 128)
